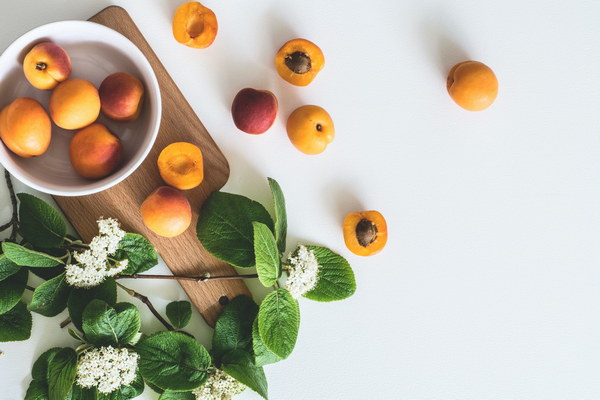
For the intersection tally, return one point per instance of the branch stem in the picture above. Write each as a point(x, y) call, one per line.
point(14, 221)
point(66, 322)
point(200, 278)
point(148, 303)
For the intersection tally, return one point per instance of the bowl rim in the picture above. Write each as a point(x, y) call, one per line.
point(39, 32)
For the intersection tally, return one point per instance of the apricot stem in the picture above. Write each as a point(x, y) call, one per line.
point(41, 66)
point(148, 303)
point(201, 278)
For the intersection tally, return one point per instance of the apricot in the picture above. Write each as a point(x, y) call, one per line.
point(299, 61)
point(46, 64)
point(195, 25)
point(365, 232)
point(95, 152)
point(180, 165)
point(472, 85)
point(254, 111)
point(74, 104)
point(310, 129)
point(25, 127)
point(121, 96)
point(166, 212)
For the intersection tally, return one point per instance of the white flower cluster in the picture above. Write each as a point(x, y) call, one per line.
point(303, 271)
point(92, 266)
point(219, 386)
point(106, 368)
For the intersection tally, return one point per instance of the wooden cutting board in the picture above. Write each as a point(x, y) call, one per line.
point(184, 254)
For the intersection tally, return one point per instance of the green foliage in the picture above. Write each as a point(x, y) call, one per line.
point(7, 267)
point(139, 251)
point(15, 324)
point(50, 298)
point(225, 227)
point(233, 329)
point(336, 278)
point(79, 393)
point(238, 364)
point(39, 223)
point(262, 355)
point(280, 214)
point(268, 263)
point(11, 290)
point(279, 322)
point(179, 313)
point(37, 390)
point(104, 325)
point(39, 371)
point(169, 395)
point(80, 298)
point(62, 369)
point(25, 257)
point(173, 361)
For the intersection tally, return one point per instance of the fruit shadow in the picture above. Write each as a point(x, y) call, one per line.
point(170, 6)
point(445, 52)
point(341, 200)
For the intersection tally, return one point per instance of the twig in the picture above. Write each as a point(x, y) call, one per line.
point(29, 288)
point(66, 322)
point(186, 277)
point(148, 303)
point(14, 221)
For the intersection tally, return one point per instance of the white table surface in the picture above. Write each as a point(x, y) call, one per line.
point(489, 287)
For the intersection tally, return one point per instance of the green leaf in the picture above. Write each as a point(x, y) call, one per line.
point(336, 278)
point(173, 361)
point(15, 324)
point(262, 355)
point(154, 387)
point(47, 273)
point(139, 251)
point(238, 364)
point(179, 313)
point(233, 329)
point(61, 373)
point(80, 393)
point(80, 298)
point(39, 371)
point(225, 227)
point(11, 290)
point(7, 267)
point(104, 325)
point(37, 390)
point(268, 264)
point(29, 258)
point(39, 223)
point(280, 214)
point(50, 298)
point(279, 322)
point(169, 395)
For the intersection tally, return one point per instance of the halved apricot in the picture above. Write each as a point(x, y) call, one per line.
point(299, 61)
point(195, 25)
point(180, 165)
point(365, 232)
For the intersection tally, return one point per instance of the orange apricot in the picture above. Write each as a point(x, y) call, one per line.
point(310, 129)
point(180, 165)
point(95, 152)
point(166, 212)
point(25, 127)
point(195, 25)
point(472, 85)
point(74, 104)
point(365, 232)
point(299, 61)
point(121, 96)
point(46, 64)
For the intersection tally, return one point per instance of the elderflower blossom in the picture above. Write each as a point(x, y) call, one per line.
point(303, 271)
point(106, 368)
point(92, 266)
point(219, 386)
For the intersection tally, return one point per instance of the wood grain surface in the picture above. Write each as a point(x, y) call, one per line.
point(183, 254)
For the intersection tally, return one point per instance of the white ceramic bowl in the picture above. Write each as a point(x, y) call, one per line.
point(96, 52)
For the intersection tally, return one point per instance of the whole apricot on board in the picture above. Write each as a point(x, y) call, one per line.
point(472, 85)
point(95, 152)
point(299, 61)
point(121, 95)
point(365, 232)
point(195, 25)
point(25, 127)
point(310, 129)
point(74, 104)
point(166, 212)
point(45, 65)
point(254, 111)
point(180, 165)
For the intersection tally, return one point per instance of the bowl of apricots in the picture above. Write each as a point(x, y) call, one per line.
point(80, 108)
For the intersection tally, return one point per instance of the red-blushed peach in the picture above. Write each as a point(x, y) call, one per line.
point(74, 104)
point(46, 65)
point(95, 152)
point(121, 96)
point(25, 127)
point(166, 212)
point(254, 111)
